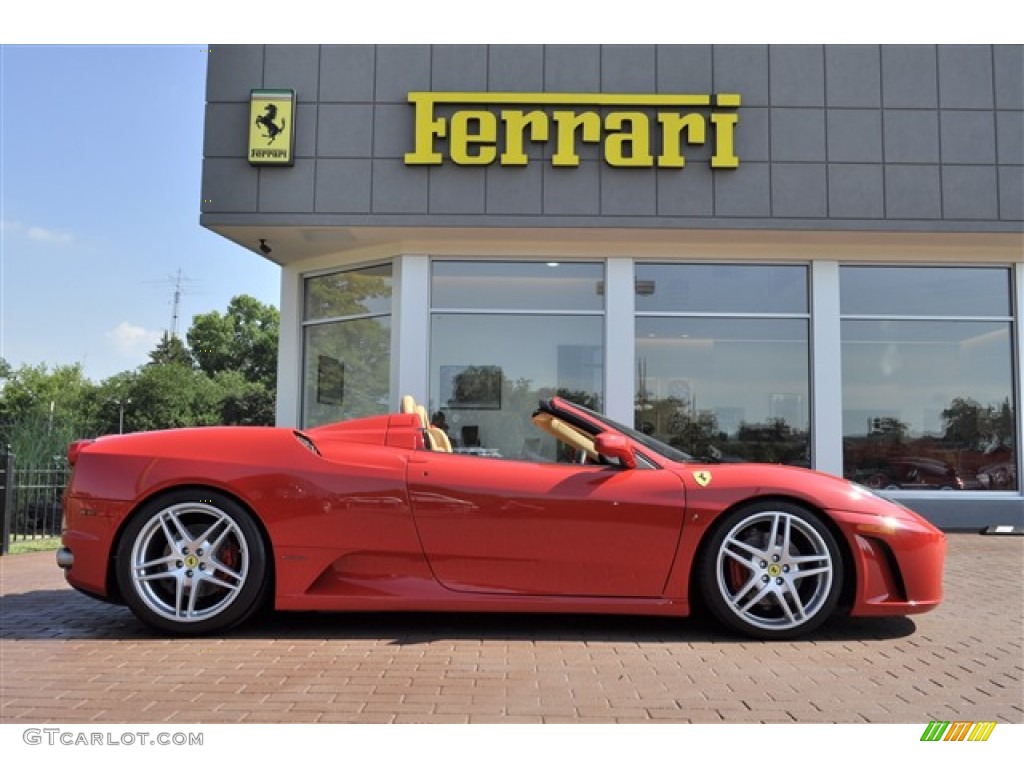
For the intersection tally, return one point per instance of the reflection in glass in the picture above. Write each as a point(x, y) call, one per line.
point(553, 286)
point(347, 362)
point(347, 294)
point(725, 389)
point(347, 370)
point(928, 405)
point(925, 291)
point(488, 372)
point(736, 288)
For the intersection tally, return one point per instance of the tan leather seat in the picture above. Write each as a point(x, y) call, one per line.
point(568, 434)
point(408, 404)
point(424, 419)
point(437, 440)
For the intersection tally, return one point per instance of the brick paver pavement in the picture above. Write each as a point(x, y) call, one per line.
point(65, 658)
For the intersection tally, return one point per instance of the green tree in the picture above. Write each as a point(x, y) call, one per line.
point(243, 339)
point(113, 403)
point(41, 410)
point(167, 396)
point(171, 350)
point(249, 403)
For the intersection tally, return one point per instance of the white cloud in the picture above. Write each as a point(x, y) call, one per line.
point(40, 234)
point(49, 236)
point(133, 340)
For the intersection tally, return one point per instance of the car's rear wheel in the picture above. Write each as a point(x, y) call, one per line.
point(771, 570)
point(191, 563)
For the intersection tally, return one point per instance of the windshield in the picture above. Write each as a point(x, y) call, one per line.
point(653, 444)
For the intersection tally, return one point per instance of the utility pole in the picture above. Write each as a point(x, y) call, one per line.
point(177, 283)
point(177, 304)
point(120, 413)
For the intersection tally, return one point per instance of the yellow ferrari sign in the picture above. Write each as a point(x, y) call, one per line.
point(703, 478)
point(631, 130)
point(271, 127)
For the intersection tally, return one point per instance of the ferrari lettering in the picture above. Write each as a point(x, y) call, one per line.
point(630, 130)
point(255, 154)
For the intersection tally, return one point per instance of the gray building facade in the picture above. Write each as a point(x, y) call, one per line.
point(804, 254)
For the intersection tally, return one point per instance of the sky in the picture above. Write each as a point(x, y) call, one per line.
point(101, 153)
point(101, 130)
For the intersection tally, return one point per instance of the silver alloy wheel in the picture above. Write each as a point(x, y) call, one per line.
point(189, 562)
point(774, 571)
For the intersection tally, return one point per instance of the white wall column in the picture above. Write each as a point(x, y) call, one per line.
point(289, 350)
point(619, 339)
point(826, 369)
point(410, 330)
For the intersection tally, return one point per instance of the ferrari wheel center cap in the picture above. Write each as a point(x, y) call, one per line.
point(774, 570)
point(191, 561)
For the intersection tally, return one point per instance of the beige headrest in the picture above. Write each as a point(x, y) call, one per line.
point(423, 416)
point(440, 439)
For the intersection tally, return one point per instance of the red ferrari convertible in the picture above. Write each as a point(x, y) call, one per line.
point(194, 529)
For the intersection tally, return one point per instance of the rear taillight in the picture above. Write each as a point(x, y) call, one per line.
point(75, 448)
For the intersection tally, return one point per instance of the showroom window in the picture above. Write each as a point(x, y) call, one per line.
point(346, 345)
point(722, 360)
point(504, 335)
point(928, 378)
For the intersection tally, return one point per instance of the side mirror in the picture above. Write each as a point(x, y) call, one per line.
point(615, 446)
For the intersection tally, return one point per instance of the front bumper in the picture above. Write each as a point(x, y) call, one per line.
point(898, 562)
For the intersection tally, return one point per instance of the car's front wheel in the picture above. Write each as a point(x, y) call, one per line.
point(191, 563)
point(771, 570)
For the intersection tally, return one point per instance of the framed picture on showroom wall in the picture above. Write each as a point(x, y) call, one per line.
point(330, 380)
point(476, 387)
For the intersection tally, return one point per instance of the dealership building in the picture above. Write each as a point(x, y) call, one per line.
point(802, 254)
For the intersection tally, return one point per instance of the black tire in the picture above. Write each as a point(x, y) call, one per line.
point(878, 481)
point(771, 570)
point(192, 563)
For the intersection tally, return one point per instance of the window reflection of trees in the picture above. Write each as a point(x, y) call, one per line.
point(347, 294)
point(739, 335)
point(698, 433)
point(928, 377)
point(975, 451)
point(358, 341)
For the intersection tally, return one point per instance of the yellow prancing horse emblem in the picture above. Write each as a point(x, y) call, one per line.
point(271, 126)
point(703, 478)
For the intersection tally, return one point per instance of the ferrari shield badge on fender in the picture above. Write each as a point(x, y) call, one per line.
point(703, 478)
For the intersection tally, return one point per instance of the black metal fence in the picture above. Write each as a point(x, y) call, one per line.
point(30, 499)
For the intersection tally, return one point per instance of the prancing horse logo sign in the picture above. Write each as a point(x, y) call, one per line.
point(267, 121)
point(271, 127)
point(703, 478)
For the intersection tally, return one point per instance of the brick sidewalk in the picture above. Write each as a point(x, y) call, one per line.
point(65, 658)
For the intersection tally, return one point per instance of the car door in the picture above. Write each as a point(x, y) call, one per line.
point(499, 526)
